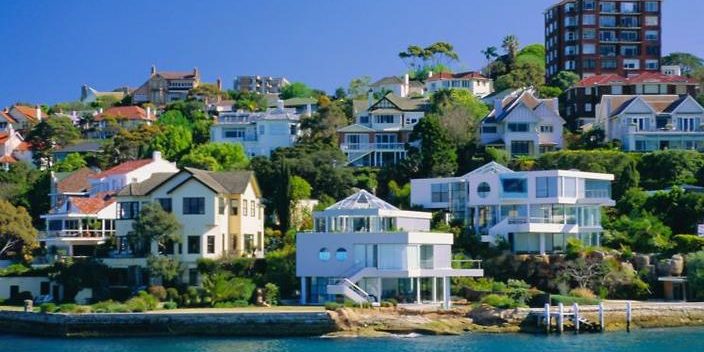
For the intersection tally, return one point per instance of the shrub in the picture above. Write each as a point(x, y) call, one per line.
point(72, 308)
point(109, 307)
point(499, 301)
point(136, 304)
point(47, 308)
point(271, 294)
point(695, 274)
point(582, 293)
point(158, 291)
point(223, 287)
point(151, 301)
point(232, 304)
point(170, 305)
point(688, 243)
point(172, 294)
point(569, 300)
point(332, 306)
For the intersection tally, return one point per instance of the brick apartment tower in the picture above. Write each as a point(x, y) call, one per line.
point(591, 37)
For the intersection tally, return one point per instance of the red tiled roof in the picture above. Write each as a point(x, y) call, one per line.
point(7, 159)
point(7, 117)
point(645, 77)
point(28, 111)
point(460, 75)
point(123, 168)
point(4, 136)
point(125, 112)
point(24, 146)
point(92, 205)
point(77, 181)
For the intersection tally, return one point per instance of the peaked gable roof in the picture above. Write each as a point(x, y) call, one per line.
point(401, 103)
point(523, 98)
point(460, 75)
point(387, 81)
point(618, 104)
point(28, 111)
point(362, 200)
point(491, 167)
point(147, 186)
point(7, 117)
point(91, 205)
point(221, 182)
point(123, 168)
point(125, 112)
point(74, 182)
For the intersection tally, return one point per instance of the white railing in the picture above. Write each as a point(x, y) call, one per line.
point(372, 146)
point(597, 193)
point(559, 220)
point(78, 233)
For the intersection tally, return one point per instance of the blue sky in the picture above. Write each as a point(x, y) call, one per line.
point(51, 48)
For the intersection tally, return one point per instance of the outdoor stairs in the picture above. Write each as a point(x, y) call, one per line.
point(348, 287)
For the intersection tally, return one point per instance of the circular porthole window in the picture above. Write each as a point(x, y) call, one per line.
point(324, 254)
point(483, 189)
point(341, 254)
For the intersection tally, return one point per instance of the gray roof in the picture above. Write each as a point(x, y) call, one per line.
point(147, 186)
point(387, 80)
point(81, 147)
point(223, 181)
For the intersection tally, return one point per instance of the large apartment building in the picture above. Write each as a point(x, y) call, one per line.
point(533, 211)
point(260, 84)
point(591, 37)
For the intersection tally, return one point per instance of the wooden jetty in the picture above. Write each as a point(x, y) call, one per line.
point(560, 319)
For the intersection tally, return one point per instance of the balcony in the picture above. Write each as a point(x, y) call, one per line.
point(373, 146)
point(77, 234)
point(597, 193)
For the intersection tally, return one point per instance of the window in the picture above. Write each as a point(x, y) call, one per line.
point(127, 210)
point(589, 49)
point(193, 205)
point(193, 277)
point(211, 245)
point(588, 5)
point(588, 107)
point(193, 244)
point(252, 213)
point(652, 50)
point(384, 119)
point(44, 288)
point(651, 6)
point(652, 35)
point(439, 192)
point(630, 50)
point(607, 21)
point(608, 64)
point(248, 243)
point(518, 127)
point(686, 124)
point(570, 21)
point(607, 36)
point(629, 7)
point(631, 64)
point(341, 255)
point(652, 64)
point(234, 205)
point(589, 34)
point(165, 204)
point(607, 6)
point(514, 185)
point(545, 187)
point(607, 50)
point(570, 50)
point(520, 147)
point(588, 20)
point(483, 189)
point(569, 185)
point(364, 119)
point(629, 21)
point(262, 129)
point(55, 225)
point(324, 254)
point(546, 129)
point(244, 207)
point(588, 64)
point(237, 133)
point(629, 36)
point(221, 206)
point(570, 65)
point(651, 20)
point(488, 129)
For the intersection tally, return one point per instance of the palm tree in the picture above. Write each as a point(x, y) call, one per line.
point(510, 45)
point(490, 53)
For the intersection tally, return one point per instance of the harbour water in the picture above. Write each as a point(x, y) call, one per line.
point(683, 339)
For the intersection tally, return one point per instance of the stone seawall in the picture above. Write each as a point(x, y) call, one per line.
point(140, 324)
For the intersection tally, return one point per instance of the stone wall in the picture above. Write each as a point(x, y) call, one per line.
point(143, 324)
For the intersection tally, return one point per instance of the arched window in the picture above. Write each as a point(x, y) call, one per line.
point(483, 189)
point(324, 254)
point(341, 254)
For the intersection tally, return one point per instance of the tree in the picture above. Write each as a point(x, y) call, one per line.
point(282, 197)
point(435, 152)
point(129, 145)
point(154, 224)
point(665, 168)
point(695, 274)
point(400, 195)
point(72, 162)
point(490, 53)
point(564, 80)
point(549, 92)
point(359, 87)
point(207, 92)
point(435, 57)
point(167, 268)
point(688, 62)
point(460, 114)
point(17, 235)
point(296, 90)
point(224, 287)
point(586, 272)
point(216, 157)
point(646, 233)
point(50, 134)
point(300, 188)
point(249, 101)
point(324, 123)
point(173, 142)
point(510, 45)
point(523, 74)
point(75, 274)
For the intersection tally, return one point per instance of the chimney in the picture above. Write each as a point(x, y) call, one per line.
point(156, 155)
point(6, 110)
point(309, 110)
point(498, 107)
point(370, 98)
point(195, 71)
point(100, 111)
point(153, 71)
point(430, 74)
point(280, 105)
point(218, 82)
point(406, 85)
point(38, 112)
point(149, 112)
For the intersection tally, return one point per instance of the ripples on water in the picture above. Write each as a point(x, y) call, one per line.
point(640, 340)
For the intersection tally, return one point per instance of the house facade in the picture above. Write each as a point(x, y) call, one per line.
point(127, 117)
point(164, 87)
point(221, 214)
point(367, 250)
point(401, 86)
point(258, 132)
point(580, 101)
point(533, 211)
point(381, 130)
point(13, 148)
point(21, 117)
point(260, 84)
point(644, 123)
point(474, 82)
point(522, 124)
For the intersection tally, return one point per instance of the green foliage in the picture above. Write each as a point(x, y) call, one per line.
point(300, 188)
point(564, 80)
point(154, 224)
point(48, 308)
point(271, 294)
point(216, 157)
point(158, 291)
point(645, 234)
point(109, 306)
point(359, 87)
point(549, 92)
point(167, 268)
point(76, 274)
point(688, 243)
point(232, 304)
point(17, 235)
point(325, 122)
point(688, 62)
point(459, 113)
point(173, 142)
point(249, 101)
point(281, 270)
point(223, 287)
point(50, 134)
point(570, 300)
point(296, 90)
point(16, 269)
point(435, 57)
point(400, 195)
point(332, 306)
point(500, 301)
point(665, 168)
point(72, 309)
point(437, 155)
point(679, 210)
point(695, 274)
point(72, 162)
point(129, 145)
point(170, 305)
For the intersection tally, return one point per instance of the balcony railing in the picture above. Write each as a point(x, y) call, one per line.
point(559, 220)
point(372, 146)
point(597, 193)
point(78, 233)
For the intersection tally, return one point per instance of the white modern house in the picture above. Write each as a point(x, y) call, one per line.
point(534, 211)
point(367, 250)
point(258, 132)
point(381, 130)
point(523, 125)
point(83, 205)
point(401, 86)
point(221, 214)
point(644, 123)
point(474, 82)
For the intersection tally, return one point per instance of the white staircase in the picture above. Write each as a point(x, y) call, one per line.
point(348, 287)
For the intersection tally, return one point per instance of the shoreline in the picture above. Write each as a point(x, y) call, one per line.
point(344, 322)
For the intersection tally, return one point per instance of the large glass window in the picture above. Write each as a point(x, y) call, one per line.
point(193, 244)
point(651, 6)
point(607, 6)
point(629, 7)
point(127, 210)
point(518, 127)
point(569, 187)
point(193, 205)
point(165, 204)
point(341, 255)
point(597, 189)
point(439, 192)
point(514, 185)
point(607, 21)
point(483, 189)
point(211, 245)
point(546, 187)
point(521, 147)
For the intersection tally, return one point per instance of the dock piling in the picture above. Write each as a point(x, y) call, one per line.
point(561, 318)
point(575, 312)
point(628, 316)
point(602, 327)
point(547, 318)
